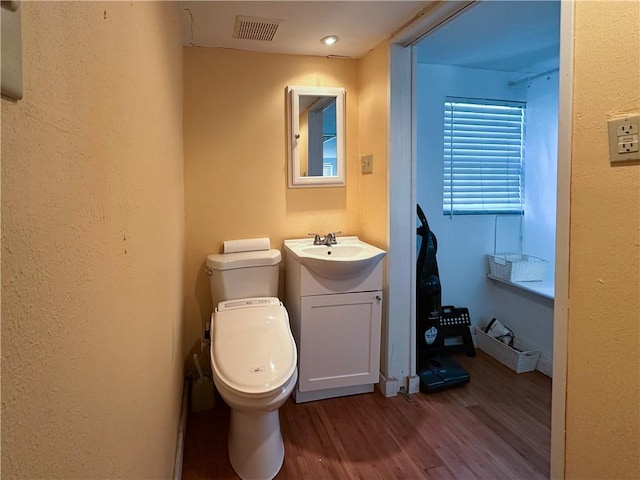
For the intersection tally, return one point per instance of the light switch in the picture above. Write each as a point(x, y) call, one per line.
point(367, 164)
point(623, 138)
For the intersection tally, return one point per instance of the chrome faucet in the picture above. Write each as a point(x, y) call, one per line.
point(328, 240)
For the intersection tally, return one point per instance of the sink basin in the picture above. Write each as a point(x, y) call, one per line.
point(348, 258)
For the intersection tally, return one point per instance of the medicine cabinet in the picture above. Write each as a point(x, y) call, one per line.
point(316, 137)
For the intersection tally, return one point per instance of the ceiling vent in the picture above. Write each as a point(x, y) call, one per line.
point(254, 28)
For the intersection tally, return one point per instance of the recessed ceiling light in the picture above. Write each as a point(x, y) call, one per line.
point(330, 40)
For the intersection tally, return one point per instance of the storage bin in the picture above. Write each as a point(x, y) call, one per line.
point(521, 358)
point(514, 267)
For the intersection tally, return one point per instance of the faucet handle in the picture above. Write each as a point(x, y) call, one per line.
point(316, 238)
point(332, 237)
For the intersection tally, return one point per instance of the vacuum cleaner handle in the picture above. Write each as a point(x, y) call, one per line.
point(424, 231)
point(421, 215)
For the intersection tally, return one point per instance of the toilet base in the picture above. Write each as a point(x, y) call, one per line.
point(256, 448)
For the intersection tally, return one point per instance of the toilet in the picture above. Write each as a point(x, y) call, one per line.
point(253, 357)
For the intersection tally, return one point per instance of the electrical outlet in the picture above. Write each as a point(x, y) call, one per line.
point(624, 138)
point(628, 144)
point(627, 128)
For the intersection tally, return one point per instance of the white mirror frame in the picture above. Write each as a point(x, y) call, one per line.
point(296, 180)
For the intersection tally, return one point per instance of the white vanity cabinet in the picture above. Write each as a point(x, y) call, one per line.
point(336, 324)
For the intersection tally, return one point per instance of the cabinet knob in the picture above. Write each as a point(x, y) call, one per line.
point(378, 298)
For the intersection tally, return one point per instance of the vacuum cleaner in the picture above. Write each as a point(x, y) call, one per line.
point(435, 323)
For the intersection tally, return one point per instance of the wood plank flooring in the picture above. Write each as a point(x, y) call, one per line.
point(495, 427)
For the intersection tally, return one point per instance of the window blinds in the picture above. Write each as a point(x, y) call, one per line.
point(483, 148)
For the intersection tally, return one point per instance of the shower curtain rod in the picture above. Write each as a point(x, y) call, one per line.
point(532, 77)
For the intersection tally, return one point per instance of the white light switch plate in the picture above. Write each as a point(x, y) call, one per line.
point(624, 138)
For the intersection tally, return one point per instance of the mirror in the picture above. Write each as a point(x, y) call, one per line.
point(316, 137)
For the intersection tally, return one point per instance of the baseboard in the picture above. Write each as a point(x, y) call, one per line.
point(302, 397)
point(414, 384)
point(545, 366)
point(388, 386)
point(182, 430)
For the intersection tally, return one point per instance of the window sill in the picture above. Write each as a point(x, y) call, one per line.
point(544, 288)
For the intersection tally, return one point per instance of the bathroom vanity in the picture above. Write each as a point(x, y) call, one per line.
point(334, 300)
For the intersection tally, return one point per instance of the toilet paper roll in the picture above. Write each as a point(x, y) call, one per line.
point(247, 245)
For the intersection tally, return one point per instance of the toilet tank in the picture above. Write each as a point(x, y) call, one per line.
point(243, 275)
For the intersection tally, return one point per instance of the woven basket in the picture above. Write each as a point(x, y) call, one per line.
point(514, 267)
point(520, 358)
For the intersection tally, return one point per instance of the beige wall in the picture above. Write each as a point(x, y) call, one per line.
point(603, 383)
point(92, 226)
point(92, 244)
point(373, 82)
point(236, 160)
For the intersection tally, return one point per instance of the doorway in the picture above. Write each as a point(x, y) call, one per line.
point(485, 103)
point(404, 88)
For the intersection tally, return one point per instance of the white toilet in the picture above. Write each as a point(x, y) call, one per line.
point(253, 356)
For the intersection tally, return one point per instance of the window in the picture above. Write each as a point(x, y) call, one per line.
point(483, 147)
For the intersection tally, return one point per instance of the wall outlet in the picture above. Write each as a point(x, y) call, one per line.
point(627, 128)
point(624, 138)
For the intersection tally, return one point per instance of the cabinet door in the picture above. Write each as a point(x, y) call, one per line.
point(340, 340)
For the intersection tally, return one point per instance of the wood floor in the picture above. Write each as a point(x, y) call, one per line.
point(495, 427)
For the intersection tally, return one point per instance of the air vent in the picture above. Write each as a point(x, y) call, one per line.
point(254, 28)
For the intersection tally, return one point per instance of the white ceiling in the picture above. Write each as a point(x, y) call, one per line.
point(361, 25)
point(507, 36)
point(513, 36)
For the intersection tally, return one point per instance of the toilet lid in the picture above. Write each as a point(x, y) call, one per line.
point(253, 350)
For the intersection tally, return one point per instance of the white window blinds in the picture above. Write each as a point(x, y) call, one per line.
point(483, 147)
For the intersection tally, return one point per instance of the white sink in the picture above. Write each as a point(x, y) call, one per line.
point(348, 258)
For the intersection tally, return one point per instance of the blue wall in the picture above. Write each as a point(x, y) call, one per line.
point(464, 241)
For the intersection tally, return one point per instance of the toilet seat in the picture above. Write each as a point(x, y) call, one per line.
point(252, 349)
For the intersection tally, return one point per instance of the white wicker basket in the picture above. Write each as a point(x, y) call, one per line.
point(517, 268)
point(522, 358)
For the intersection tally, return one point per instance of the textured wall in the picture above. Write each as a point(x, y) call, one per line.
point(373, 81)
point(92, 244)
point(236, 160)
point(603, 384)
